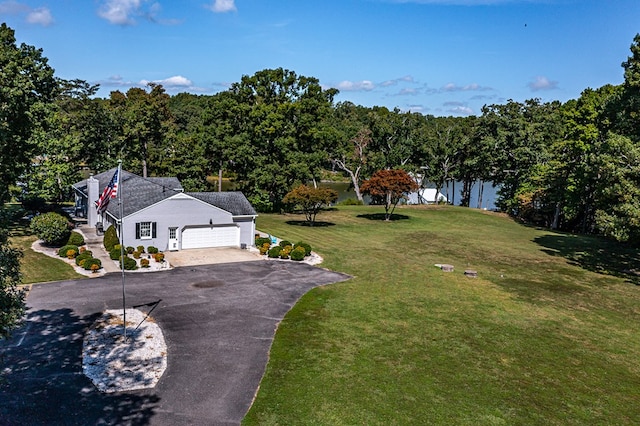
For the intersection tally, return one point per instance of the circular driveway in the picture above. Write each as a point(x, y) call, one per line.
point(218, 322)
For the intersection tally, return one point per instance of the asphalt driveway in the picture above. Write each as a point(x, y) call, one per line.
point(218, 321)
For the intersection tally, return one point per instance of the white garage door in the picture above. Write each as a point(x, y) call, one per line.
point(207, 236)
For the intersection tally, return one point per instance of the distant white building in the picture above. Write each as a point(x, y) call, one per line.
point(426, 196)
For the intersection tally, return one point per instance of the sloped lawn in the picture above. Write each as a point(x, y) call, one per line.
point(542, 336)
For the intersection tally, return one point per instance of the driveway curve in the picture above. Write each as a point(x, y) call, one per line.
point(218, 320)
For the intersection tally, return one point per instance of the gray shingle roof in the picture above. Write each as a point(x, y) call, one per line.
point(234, 202)
point(138, 193)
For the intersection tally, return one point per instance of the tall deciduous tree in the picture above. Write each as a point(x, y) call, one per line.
point(27, 85)
point(389, 187)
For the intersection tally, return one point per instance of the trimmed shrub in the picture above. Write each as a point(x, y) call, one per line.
point(152, 250)
point(264, 248)
point(129, 263)
point(159, 257)
point(284, 253)
point(130, 250)
point(297, 254)
point(82, 257)
point(140, 249)
point(136, 254)
point(62, 252)
point(274, 252)
point(115, 254)
point(71, 253)
point(51, 228)
point(351, 202)
point(110, 238)
point(88, 264)
point(75, 239)
point(285, 243)
point(260, 241)
point(144, 263)
point(307, 247)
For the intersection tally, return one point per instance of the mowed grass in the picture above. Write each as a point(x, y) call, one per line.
point(540, 337)
point(36, 267)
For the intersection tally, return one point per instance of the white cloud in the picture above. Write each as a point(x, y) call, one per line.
point(461, 110)
point(356, 86)
point(41, 16)
point(120, 12)
point(542, 83)
point(405, 79)
point(13, 8)
point(452, 87)
point(171, 82)
point(223, 6)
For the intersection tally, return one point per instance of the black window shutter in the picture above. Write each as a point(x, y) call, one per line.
point(137, 231)
point(153, 229)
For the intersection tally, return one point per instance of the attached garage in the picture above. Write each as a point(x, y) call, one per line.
point(210, 236)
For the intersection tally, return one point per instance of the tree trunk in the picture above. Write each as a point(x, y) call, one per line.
point(556, 216)
point(220, 178)
point(480, 193)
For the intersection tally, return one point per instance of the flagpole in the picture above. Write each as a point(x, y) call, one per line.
point(124, 309)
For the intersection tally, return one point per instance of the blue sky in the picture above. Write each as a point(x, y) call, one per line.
point(440, 57)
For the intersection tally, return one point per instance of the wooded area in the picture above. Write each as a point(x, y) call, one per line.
point(573, 166)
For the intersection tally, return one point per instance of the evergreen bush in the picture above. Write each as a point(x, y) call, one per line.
point(274, 252)
point(285, 243)
point(130, 250)
point(110, 238)
point(62, 252)
point(129, 263)
point(91, 261)
point(115, 254)
point(144, 263)
point(82, 257)
point(76, 239)
point(307, 247)
point(140, 249)
point(260, 241)
point(152, 250)
point(297, 254)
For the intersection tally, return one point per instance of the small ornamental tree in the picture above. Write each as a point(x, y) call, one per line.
point(310, 200)
point(51, 228)
point(389, 187)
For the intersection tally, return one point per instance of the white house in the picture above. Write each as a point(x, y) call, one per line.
point(157, 212)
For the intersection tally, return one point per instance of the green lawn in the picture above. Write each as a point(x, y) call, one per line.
point(543, 336)
point(36, 267)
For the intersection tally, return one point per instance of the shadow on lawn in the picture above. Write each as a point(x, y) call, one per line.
point(594, 254)
point(41, 378)
point(381, 216)
point(316, 224)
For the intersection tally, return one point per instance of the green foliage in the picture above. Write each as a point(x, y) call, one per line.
point(310, 200)
point(264, 248)
point(62, 252)
point(34, 204)
point(298, 254)
point(110, 239)
point(82, 257)
point(115, 253)
point(284, 243)
point(88, 263)
point(130, 250)
point(351, 202)
point(152, 250)
point(306, 247)
point(285, 251)
point(136, 254)
point(260, 241)
point(52, 228)
point(129, 263)
point(274, 252)
point(76, 239)
point(28, 86)
point(140, 249)
point(12, 298)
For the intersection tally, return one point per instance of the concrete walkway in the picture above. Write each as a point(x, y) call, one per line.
point(94, 243)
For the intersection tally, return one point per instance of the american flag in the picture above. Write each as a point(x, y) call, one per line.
point(110, 191)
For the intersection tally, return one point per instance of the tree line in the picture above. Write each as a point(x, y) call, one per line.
point(573, 166)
